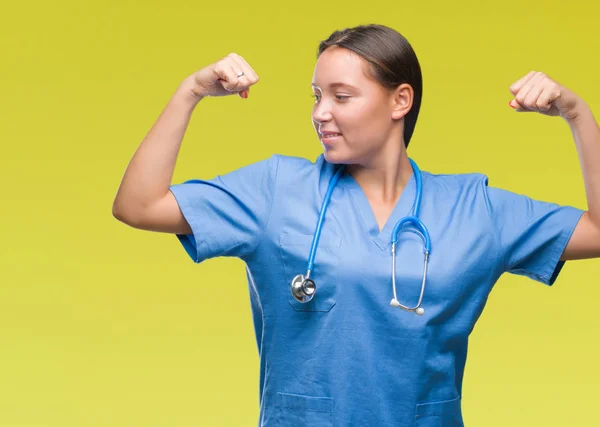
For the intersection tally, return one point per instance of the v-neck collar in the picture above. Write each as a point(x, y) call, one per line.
point(402, 208)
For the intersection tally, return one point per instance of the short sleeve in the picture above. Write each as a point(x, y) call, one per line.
point(227, 214)
point(532, 234)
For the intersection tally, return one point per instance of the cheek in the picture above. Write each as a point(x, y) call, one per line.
point(354, 117)
point(364, 119)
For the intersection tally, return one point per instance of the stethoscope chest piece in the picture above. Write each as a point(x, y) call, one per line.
point(303, 289)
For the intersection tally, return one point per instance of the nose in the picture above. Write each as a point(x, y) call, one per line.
point(321, 112)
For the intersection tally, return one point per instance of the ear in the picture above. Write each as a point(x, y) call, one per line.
point(402, 99)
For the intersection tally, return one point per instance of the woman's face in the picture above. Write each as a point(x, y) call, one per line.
point(351, 103)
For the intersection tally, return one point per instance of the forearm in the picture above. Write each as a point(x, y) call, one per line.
point(586, 133)
point(148, 176)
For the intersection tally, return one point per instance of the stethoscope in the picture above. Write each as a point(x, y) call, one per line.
point(304, 288)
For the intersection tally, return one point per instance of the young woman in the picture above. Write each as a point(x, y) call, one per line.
point(347, 335)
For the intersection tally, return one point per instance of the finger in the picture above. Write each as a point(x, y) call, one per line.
point(530, 101)
point(253, 73)
point(227, 75)
point(249, 76)
point(516, 86)
point(530, 89)
point(546, 98)
point(246, 80)
point(240, 67)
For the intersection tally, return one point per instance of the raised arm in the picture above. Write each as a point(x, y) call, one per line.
point(143, 199)
point(537, 92)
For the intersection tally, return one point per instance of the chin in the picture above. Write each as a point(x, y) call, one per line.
point(337, 156)
point(332, 156)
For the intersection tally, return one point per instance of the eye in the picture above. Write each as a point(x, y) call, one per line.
point(338, 97)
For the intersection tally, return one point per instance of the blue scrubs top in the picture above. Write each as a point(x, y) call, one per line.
point(347, 358)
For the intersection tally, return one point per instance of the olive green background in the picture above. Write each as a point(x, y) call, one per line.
point(105, 325)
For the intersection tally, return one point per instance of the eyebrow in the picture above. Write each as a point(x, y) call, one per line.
point(336, 84)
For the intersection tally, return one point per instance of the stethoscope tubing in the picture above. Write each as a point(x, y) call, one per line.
point(303, 284)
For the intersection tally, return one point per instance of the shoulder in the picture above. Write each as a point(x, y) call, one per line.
point(278, 170)
point(297, 164)
point(296, 169)
point(276, 167)
point(460, 195)
point(456, 183)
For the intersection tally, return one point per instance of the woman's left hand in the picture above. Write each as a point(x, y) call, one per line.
point(539, 93)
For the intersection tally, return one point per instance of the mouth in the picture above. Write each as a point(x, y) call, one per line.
point(328, 134)
point(329, 137)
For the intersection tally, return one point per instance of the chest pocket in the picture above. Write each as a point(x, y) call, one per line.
point(294, 250)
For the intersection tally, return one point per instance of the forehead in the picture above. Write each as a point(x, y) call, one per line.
point(338, 67)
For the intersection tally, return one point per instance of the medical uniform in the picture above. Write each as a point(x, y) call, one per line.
point(347, 358)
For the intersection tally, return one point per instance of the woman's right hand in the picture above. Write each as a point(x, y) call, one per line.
point(220, 78)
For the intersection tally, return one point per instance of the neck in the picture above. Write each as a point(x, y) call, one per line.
point(384, 176)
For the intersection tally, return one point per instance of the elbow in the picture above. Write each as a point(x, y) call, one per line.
point(117, 213)
point(131, 216)
point(121, 214)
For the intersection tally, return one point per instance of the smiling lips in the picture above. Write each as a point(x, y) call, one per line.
point(327, 134)
point(328, 137)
